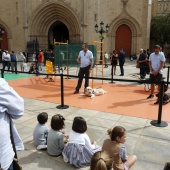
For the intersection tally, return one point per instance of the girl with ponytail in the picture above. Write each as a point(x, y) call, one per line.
point(118, 153)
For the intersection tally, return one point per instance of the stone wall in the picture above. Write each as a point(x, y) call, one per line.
point(27, 19)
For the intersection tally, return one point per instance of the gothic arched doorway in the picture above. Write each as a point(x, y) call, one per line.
point(3, 39)
point(124, 39)
point(59, 32)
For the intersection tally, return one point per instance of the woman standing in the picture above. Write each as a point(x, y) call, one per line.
point(114, 58)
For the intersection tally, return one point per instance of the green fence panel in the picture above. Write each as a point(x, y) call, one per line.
point(66, 55)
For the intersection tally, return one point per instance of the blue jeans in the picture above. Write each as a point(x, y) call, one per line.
point(11, 167)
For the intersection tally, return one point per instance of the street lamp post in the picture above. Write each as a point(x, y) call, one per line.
point(101, 32)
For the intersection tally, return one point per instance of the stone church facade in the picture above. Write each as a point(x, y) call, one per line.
point(25, 21)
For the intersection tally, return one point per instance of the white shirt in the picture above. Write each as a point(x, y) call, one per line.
point(80, 138)
point(85, 58)
point(3, 55)
point(156, 60)
point(13, 104)
point(7, 57)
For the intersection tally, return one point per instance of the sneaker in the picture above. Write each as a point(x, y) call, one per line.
point(42, 147)
point(150, 96)
point(76, 92)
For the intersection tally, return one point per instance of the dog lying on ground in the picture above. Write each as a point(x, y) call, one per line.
point(94, 92)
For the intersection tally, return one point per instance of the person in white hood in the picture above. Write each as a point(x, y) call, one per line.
point(11, 107)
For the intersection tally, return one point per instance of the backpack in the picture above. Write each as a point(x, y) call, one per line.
point(13, 57)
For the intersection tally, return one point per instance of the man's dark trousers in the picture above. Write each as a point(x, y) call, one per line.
point(121, 64)
point(83, 71)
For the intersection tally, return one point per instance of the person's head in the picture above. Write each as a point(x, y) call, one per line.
point(117, 134)
point(79, 125)
point(13, 52)
point(42, 118)
point(114, 51)
point(57, 122)
point(121, 49)
point(101, 161)
point(84, 47)
point(157, 49)
point(141, 51)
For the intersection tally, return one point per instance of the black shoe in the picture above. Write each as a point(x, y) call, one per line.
point(150, 96)
point(76, 92)
point(156, 102)
point(157, 95)
point(121, 75)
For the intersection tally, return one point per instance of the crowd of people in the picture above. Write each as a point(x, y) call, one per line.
point(77, 148)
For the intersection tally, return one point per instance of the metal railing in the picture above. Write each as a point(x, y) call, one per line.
point(158, 122)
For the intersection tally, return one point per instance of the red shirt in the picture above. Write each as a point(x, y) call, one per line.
point(40, 57)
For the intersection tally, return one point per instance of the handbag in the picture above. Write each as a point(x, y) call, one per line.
point(137, 64)
point(16, 165)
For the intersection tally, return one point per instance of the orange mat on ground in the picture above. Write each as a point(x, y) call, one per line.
point(120, 99)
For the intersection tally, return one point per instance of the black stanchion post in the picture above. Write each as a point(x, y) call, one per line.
point(159, 123)
point(62, 106)
point(168, 77)
point(112, 76)
point(2, 73)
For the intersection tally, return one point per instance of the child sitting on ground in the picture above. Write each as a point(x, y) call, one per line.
point(79, 150)
point(101, 161)
point(55, 140)
point(33, 68)
point(113, 148)
point(41, 131)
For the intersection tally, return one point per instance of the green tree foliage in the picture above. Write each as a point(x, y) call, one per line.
point(160, 29)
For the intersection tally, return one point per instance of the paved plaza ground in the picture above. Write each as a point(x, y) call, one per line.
point(124, 104)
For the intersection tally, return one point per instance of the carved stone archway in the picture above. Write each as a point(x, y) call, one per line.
point(47, 15)
point(7, 36)
point(126, 19)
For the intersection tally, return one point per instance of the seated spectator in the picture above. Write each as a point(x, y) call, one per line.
point(55, 140)
point(101, 161)
point(79, 150)
point(113, 148)
point(33, 69)
point(41, 131)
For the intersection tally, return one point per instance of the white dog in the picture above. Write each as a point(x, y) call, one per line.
point(94, 92)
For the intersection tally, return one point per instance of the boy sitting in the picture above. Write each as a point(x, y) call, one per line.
point(41, 131)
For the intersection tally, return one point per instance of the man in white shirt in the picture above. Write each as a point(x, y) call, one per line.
point(156, 64)
point(11, 107)
point(6, 60)
point(85, 59)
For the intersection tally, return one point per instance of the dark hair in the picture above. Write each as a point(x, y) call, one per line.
point(57, 122)
point(42, 118)
point(79, 125)
point(101, 161)
point(167, 166)
point(114, 51)
point(157, 47)
point(117, 131)
point(85, 44)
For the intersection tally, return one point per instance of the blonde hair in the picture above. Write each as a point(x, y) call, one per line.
point(101, 161)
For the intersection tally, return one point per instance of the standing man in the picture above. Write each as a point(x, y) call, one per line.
point(11, 107)
point(85, 59)
point(13, 62)
point(6, 59)
point(156, 63)
point(143, 63)
point(121, 61)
